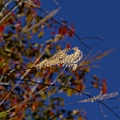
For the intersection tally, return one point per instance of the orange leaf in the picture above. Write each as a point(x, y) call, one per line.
point(34, 106)
point(80, 118)
point(95, 84)
point(80, 86)
point(104, 86)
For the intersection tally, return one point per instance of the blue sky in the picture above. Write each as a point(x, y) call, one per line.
point(95, 18)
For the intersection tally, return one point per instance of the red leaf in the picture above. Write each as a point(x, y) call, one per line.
point(104, 80)
point(52, 32)
point(62, 30)
point(61, 65)
point(37, 2)
point(1, 28)
point(23, 107)
point(71, 32)
point(68, 45)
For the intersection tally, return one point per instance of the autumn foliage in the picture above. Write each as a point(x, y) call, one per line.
point(26, 90)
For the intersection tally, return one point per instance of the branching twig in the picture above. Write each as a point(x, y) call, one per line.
point(10, 12)
point(6, 4)
point(44, 88)
point(51, 14)
point(37, 59)
point(90, 99)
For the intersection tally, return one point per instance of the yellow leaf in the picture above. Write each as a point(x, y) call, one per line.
point(41, 34)
point(69, 92)
point(35, 29)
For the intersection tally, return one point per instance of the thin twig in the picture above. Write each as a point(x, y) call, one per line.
point(105, 106)
point(90, 37)
point(37, 59)
point(6, 4)
point(44, 88)
point(68, 29)
point(9, 12)
point(31, 3)
point(51, 14)
point(102, 111)
point(82, 92)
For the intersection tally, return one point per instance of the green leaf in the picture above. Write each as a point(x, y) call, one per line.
point(3, 115)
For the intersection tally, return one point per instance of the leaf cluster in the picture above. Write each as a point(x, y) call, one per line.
point(27, 92)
